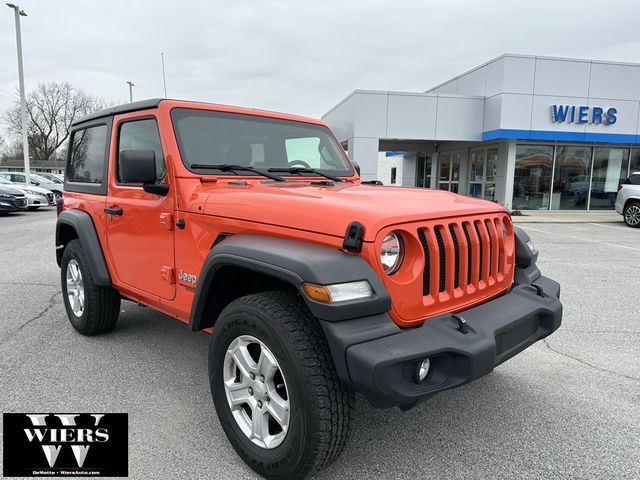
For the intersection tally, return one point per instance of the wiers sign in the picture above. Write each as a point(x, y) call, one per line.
point(65, 444)
point(582, 114)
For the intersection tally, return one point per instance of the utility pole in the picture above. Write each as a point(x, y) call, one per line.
point(131, 85)
point(164, 80)
point(23, 103)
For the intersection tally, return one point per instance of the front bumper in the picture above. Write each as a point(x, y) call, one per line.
point(13, 204)
point(381, 363)
point(37, 200)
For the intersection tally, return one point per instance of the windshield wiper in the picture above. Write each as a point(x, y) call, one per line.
point(224, 167)
point(300, 170)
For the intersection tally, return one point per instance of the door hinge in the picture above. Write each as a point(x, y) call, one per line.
point(166, 221)
point(168, 274)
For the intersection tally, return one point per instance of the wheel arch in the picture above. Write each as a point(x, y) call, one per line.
point(244, 264)
point(76, 224)
point(629, 200)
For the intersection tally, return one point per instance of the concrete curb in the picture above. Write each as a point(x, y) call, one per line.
point(568, 217)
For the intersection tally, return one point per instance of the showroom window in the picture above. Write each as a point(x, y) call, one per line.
point(532, 180)
point(571, 178)
point(482, 177)
point(610, 166)
point(449, 171)
point(635, 161)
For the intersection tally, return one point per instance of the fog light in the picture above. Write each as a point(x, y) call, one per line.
point(423, 369)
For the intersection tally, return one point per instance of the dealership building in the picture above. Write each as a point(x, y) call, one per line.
point(533, 133)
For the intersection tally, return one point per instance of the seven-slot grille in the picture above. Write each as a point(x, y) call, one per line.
point(466, 254)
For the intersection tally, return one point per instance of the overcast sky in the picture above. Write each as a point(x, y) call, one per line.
point(296, 56)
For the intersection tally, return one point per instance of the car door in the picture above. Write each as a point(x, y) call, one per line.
point(140, 226)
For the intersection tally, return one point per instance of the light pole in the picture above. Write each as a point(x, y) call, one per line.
point(131, 85)
point(23, 104)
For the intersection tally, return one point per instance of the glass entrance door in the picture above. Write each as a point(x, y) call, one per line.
point(423, 170)
point(449, 171)
point(482, 173)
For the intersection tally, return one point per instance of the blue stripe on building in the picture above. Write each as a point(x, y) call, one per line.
point(507, 133)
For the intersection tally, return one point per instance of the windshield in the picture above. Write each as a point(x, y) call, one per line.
point(209, 138)
point(5, 181)
point(39, 178)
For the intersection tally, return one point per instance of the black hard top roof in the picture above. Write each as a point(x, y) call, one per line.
point(124, 108)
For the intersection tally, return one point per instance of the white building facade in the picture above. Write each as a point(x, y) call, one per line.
point(533, 133)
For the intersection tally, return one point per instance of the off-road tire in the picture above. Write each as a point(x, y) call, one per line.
point(102, 304)
point(626, 214)
point(320, 404)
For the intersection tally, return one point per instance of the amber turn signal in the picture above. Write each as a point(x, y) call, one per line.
point(317, 292)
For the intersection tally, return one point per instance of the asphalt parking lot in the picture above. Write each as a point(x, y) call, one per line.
point(565, 408)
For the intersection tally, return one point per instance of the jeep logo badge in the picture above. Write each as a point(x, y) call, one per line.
point(187, 277)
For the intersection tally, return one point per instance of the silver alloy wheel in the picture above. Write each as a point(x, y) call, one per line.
point(75, 288)
point(256, 391)
point(632, 215)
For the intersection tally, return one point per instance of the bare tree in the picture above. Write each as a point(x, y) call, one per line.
point(51, 108)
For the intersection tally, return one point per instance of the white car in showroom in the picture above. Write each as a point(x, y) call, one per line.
point(628, 200)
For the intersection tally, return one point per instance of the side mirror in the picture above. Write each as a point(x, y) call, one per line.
point(356, 166)
point(33, 182)
point(139, 166)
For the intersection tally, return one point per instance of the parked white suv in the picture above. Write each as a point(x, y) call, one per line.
point(628, 200)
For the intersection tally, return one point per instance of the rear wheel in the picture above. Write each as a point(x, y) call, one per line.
point(631, 214)
point(275, 388)
point(91, 309)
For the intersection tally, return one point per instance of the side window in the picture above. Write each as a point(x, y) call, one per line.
point(88, 155)
point(142, 135)
point(634, 179)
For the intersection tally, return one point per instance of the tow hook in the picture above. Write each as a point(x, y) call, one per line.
point(462, 324)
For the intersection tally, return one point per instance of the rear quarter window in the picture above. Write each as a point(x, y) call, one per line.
point(634, 179)
point(87, 159)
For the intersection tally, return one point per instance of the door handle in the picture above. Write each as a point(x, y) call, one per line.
point(113, 210)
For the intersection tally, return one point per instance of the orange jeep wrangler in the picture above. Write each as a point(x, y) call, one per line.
point(256, 227)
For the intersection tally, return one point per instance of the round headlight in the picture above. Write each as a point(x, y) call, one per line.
point(391, 253)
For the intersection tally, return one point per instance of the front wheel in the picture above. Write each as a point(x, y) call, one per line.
point(275, 388)
point(91, 309)
point(631, 215)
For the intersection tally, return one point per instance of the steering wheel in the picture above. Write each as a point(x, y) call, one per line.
point(299, 162)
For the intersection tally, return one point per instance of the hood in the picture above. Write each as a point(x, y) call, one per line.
point(330, 209)
point(33, 188)
point(10, 190)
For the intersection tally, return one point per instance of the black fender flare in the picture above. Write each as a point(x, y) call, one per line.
point(294, 262)
point(82, 224)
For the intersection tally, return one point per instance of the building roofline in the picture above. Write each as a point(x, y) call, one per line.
point(398, 92)
point(535, 57)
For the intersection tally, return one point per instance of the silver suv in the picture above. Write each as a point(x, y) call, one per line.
point(628, 200)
